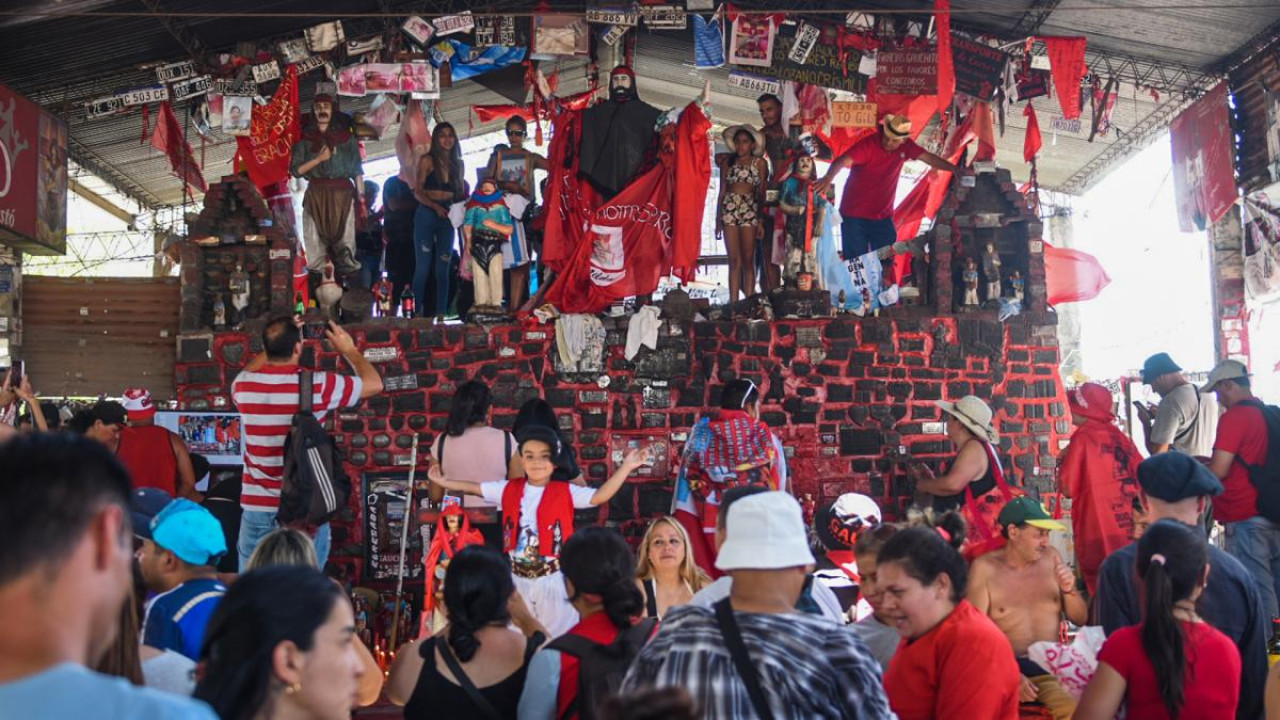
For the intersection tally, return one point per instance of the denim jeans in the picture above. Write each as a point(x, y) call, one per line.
point(433, 250)
point(257, 524)
point(1256, 544)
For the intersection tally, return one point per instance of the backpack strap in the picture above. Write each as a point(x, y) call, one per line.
point(506, 447)
point(440, 449)
point(1195, 418)
point(305, 392)
point(477, 698)
point(741, 659)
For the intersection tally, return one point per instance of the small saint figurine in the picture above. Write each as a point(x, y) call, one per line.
point(453, 532)
point(486, 225)
point(239, 287)
point(1017, 285)
point(382, 292)
point(970, 278)
point(219, 312)
point(991, 271)
point(803, 208)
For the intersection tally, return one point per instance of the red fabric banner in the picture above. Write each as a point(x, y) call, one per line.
point(946, 64)
point(1033, 141)
point(1203, 161)
point(629, 242)
point(693, 180)
point(926, 197)
point(565, 212)
point(266, 151)
point(169, 139)
point(1072, 276)
point(1066, 62)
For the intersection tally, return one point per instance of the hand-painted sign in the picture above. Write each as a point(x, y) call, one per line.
point(979, 68)
point(907, 72)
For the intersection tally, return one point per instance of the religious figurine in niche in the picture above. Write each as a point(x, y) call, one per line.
point(486, 225)
point(328, 156)
point(804, 209)
point(991, 271)
point(219, 312)
point(1017, 285)
point(453, 532)
point(970, 278)
point(329, 292)
point(239, 287)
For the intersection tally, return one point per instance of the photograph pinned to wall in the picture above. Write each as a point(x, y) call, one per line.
point(560, 35)
point(237, 112)
point(351, 82)
point(325, 36)
point(419, 77)
point(514, 167)
point(214, 102)
point(751, 42)
point(418, 30)
point(293, 51)
point(382, 77)
point(214, 435)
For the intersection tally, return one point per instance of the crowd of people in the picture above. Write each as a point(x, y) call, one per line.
point(119, 603)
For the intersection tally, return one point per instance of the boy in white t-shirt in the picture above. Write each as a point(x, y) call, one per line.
point(537, 518)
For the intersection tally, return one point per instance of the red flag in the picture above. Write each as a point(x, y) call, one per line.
point(926, 197)
point(946, 67)
point(1072, 276)
point(169, 139)
point(266, 152)
point(693, 179)
point(1066, 62)
point(1033, 141)
point(984, 128)
point(566, 210)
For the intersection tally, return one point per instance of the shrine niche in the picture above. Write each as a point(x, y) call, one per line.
point(237, 264)
point(986, 249)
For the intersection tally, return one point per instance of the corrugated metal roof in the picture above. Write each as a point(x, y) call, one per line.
point(63, 62)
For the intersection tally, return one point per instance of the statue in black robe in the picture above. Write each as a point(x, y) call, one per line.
point(616, 135)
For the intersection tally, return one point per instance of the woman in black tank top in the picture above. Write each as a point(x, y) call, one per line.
point(971, 429)
point(475, 668)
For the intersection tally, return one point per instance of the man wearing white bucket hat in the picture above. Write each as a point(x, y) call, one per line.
point(753, 650)
point(875, 164)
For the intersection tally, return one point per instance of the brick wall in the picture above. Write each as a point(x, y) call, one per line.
point(850, 397)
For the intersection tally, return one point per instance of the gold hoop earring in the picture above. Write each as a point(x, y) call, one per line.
point(293, 689)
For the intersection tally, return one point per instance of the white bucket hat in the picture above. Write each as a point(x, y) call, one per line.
point(764, 531)
point(974, 414)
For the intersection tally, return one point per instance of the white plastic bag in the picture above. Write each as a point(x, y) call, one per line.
point(1074, 664)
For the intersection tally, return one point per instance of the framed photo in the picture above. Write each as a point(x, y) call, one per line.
point(237, 112)
point(418, 30)
point(752, 41)
point(215, 435)
point(419, 77)
point(513, 166)
point(381, 77)
point(560, 35)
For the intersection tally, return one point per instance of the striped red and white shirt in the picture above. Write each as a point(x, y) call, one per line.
point(267, 400)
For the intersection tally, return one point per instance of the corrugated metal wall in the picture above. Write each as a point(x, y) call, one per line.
point(86, 336)
point(1247, 83)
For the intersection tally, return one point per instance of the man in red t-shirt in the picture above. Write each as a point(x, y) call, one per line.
point(875, 164)
point(1242, 436)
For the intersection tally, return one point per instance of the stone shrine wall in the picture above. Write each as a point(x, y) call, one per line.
point(852, 398)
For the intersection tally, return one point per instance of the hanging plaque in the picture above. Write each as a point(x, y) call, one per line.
point(192, 88)
point(175, 71)
point(607, 16)
point(664, 17)
point(806, 40)
point(754, 84)
point(979, 68)
point(907, 72)
point(853, 114)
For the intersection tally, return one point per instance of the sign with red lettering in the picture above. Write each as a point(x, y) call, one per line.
point(979, 68)
point(266, 151)
point(33, 176)
point(907, 72)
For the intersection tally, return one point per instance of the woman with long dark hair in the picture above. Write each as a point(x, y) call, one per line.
point(477, 648)
point(726, 448)
point(281, 645)
point(599, 574)
point(469, 449)
point(440, 182)
point(922, 577)
point(1173, 665)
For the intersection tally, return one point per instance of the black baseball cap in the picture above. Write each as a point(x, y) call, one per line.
point(1173, 475)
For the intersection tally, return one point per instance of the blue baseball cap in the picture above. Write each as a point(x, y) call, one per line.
point(144, 505)
point(190, 532)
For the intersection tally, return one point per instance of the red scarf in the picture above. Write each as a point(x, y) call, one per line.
point(554, 510)
point(335, 136)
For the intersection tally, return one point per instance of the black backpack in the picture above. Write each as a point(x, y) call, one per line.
point(1265, 477)
point(314, 485)
point(601, 668)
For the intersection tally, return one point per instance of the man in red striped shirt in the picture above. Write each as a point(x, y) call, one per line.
point(266, 393)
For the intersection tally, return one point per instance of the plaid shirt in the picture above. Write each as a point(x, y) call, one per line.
point(808, 667)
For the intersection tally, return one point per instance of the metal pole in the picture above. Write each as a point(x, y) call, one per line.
point(404, 543)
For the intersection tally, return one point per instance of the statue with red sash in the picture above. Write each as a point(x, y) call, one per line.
point(453, 532)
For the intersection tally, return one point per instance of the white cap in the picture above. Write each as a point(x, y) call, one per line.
point(764, 531)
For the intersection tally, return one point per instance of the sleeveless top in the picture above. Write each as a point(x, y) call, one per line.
point(749, 174)
point(438, 698)
point(148, 454)
point(981, 486)
point(435, 183)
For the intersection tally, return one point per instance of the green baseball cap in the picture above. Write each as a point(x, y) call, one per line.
point(1026, 510)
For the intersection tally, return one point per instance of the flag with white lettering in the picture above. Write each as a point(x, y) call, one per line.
point(266, 151)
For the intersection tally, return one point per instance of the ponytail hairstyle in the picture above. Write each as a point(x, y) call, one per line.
point(599, 562)
point(739, 395)
point(477, 588)
point(928, 550)
point(1171, 561)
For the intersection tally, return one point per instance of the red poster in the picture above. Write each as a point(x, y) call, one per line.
point(265, 153)
point(907, 72)
point(33, 175)
point(1203, 169)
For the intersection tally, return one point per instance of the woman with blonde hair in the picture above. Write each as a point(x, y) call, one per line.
point(667, 573)
point(283, 546)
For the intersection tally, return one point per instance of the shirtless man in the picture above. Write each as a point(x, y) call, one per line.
point(1025, 587)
